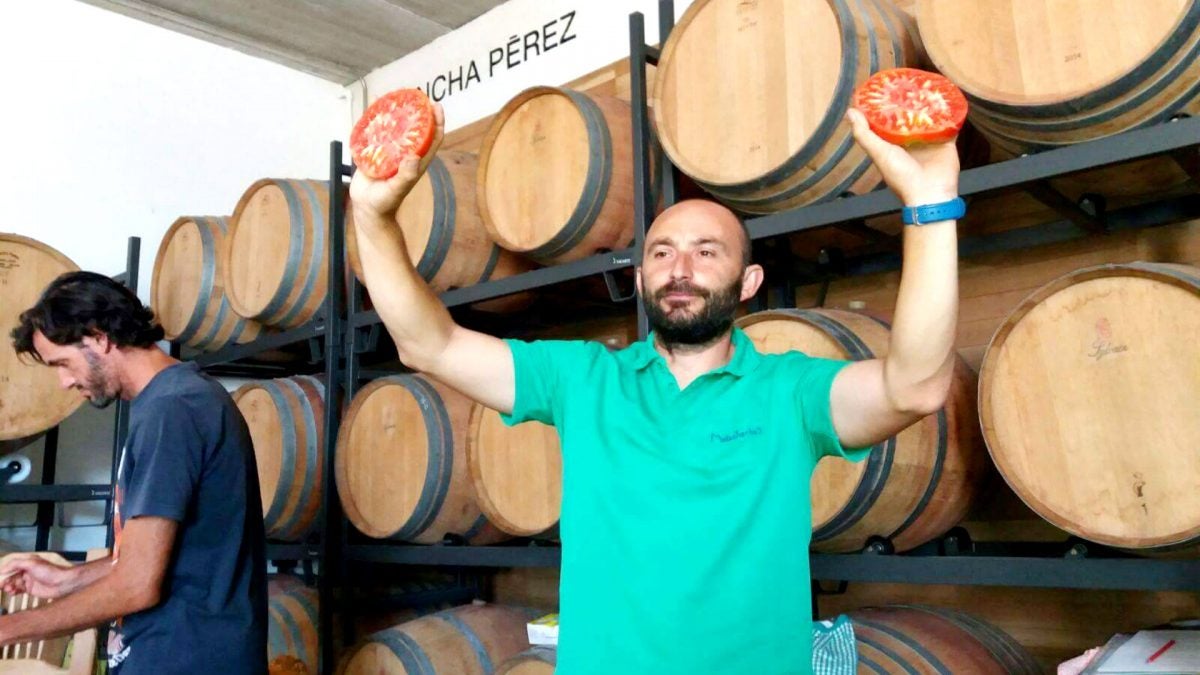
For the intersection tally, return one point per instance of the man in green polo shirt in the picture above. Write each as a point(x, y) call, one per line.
point(687, 457)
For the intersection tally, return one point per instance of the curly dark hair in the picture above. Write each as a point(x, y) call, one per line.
point(81, 304)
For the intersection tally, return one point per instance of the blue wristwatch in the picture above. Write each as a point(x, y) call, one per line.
point(934, 213)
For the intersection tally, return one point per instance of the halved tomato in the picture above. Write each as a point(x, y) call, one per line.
point(908, 106)
point(398, 125)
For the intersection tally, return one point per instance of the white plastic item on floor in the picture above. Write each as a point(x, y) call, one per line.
point(544, 631)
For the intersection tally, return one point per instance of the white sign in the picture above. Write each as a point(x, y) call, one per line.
point(474, 70)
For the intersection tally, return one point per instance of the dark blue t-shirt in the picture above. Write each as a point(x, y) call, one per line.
point(189, 458)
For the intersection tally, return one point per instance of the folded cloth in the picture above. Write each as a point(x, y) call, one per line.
point(834, 651)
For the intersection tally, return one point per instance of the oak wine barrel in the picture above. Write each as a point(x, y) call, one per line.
point(913, 487)
point(188, 289)
point(1038, 75)
point(468, 640)
point(401, 463)
point(276, 261)
point(922, 639)
point(759, 122)
point(516, 472)
point(292, 613)
point(555, 180)
point(286, 418)
point(1087, 399)
point(533, 661)
point(31, 399)
point(444, 233)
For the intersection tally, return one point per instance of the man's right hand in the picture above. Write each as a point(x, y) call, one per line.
point(375, 201)
point(36, 576)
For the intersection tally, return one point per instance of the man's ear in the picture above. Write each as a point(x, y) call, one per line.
point(752, 279)
point(637, 279)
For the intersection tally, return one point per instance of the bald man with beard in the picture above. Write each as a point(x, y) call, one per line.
point(687, 457)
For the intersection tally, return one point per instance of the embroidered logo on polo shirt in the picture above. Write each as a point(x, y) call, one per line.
point(735, 435)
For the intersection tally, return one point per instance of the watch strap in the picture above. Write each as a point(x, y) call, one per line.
point(934, 213)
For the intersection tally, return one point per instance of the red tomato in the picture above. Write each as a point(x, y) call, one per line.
point(907, 106)
point(398, 125)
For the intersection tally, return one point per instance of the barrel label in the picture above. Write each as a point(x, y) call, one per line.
point(747, 13)
point(1103, 345)
point(1139, 488)
point(9, 260)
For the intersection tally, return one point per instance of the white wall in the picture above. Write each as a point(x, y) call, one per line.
point(115, 127)
point(112, 128)
point(596, 33)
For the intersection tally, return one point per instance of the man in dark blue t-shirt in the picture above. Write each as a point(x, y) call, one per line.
point(186, 582)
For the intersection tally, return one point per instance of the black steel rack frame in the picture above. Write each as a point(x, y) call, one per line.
point(323, 335)
point(952, 559)
point(47, 494)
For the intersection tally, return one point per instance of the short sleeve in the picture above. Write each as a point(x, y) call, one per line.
point(166, 456)
point(544, 370)
point(813, 394)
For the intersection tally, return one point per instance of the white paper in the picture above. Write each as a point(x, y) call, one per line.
point(1183, 657)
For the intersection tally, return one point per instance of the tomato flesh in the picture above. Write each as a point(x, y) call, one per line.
point(398, 125)
point(908, 106)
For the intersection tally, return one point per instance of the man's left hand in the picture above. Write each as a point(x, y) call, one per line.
point(923, 174)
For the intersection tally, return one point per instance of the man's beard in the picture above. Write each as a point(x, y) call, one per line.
point(97, 382)
point(681, 327)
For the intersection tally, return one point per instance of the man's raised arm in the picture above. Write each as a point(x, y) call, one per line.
point(426, 336)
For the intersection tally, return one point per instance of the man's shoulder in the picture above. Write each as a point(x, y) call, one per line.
point(785, 363)
point(180, 389)
point(797, 368)
point(574, 352)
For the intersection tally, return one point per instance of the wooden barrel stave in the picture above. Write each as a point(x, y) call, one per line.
point(190, 303)
point(286, 417)
point(469, 640)
point(446, 240)
point(688, 60)
point(915, 638)
point(33, 400)
point(1145, 101)
point(292, 622)
point(1076, 81)
point(911, 488)
point(820, 159)
point(401, 465)
point(295, 524)
point(520, 494)
point(278, 254)
point(1093, 365)
point(840, 165)
point(537, 132)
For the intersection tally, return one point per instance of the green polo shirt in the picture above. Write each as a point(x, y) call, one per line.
point(685, 514)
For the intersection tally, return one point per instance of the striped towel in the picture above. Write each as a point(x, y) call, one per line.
point(834, 652)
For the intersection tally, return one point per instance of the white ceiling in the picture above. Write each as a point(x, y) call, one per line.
point(338, 40)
